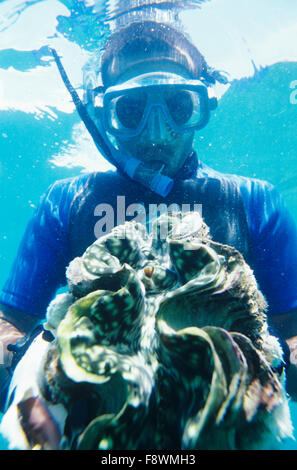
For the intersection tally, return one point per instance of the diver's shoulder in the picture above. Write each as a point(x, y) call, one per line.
point(245, 183)
point(72, 180)
point(75, 183)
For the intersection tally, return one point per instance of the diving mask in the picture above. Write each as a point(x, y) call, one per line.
point(126, 107)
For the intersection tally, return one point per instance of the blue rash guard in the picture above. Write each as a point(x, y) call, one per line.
point(44, 253)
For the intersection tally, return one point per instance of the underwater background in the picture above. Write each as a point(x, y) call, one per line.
point(253, 131)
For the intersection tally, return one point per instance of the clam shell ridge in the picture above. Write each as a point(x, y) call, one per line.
point(164, 338)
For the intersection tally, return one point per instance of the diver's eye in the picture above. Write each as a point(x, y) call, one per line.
point(130, 109)
point(180, 106)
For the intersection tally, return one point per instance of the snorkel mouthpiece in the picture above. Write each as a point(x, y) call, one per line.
point(141, 173)
point(161, 184)
point(132, 167)
point(154, 180)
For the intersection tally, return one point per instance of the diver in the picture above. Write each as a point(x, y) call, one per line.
point(153, 97)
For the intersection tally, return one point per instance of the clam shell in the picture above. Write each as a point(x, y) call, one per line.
point(165, 339)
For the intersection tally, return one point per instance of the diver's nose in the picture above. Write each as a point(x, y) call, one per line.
point(157, 126)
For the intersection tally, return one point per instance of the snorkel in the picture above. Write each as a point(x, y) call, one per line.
point(132, 167)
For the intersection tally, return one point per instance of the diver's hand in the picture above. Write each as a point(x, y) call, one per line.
point(14, 325)
point(36, 421)
point(291, 385)
point(286, 325)
point(9, 334)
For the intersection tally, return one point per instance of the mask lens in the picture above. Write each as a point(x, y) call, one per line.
point(184, 107)
point(129, 109)
point(180, 106)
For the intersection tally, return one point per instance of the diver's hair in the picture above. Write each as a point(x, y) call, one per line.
point(148, 41)
point(141, 42)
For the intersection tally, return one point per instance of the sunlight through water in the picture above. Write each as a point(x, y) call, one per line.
point(253, 131)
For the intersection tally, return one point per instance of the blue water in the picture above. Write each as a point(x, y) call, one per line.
point(253, 131)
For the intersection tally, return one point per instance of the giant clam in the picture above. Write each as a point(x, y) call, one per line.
point(161, 342)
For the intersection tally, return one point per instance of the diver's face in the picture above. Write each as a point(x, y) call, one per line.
point(158, 145)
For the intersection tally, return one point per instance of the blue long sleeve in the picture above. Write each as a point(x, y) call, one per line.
point(39, 267)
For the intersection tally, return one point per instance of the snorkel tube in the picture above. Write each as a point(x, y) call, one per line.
point(132, 167)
